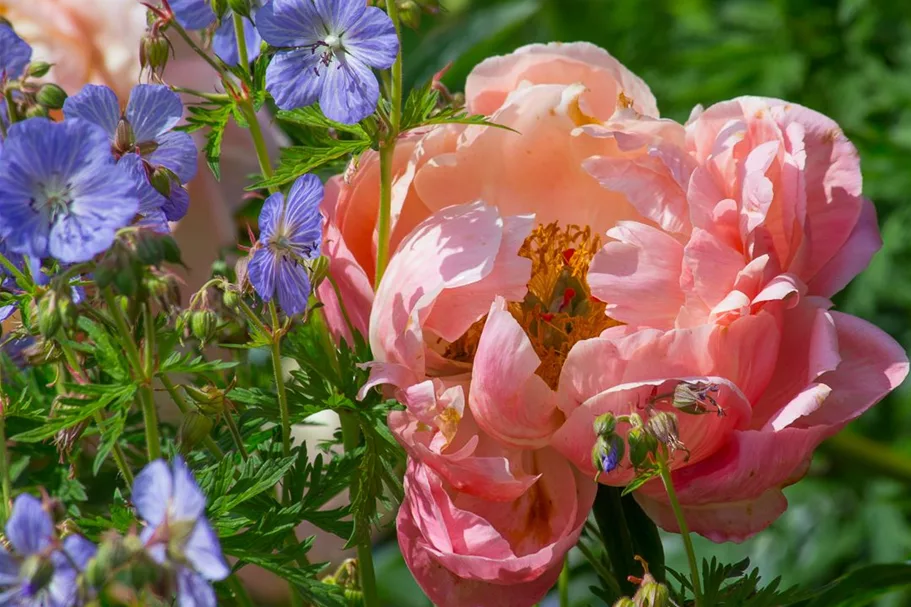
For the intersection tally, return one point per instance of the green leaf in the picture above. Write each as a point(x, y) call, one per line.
point(862, 585)
point(301, 159)
point(640, 480)
point(111, 431)
point(73, 411)
point(312, 116)
point(422, 108)
point(310, 588)
point(188, 363)
point(215, 118)
point(109, 355)
point(254, 477)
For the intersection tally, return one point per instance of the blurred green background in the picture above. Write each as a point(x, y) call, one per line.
point(849, 59)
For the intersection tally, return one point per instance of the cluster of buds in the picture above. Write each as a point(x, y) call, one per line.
point(33, 99)
point(56, 311)
point(154, 48)
point(694, 398)
point(119, 570)
point(133, 266)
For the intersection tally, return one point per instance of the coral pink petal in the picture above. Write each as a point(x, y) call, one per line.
point(490, 83)
point(724, 522)
point(455, 247)
point(355, 287)
point(638, 275)
point(864, 241)
point(508, 400)
point(715, 266)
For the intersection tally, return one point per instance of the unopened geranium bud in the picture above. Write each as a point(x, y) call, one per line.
point(605, 424)
point(124, 139)
point(162, 179)
point(36, 111)
point(625, 602)
point(48, 317)
point(210, 399)
point(203, 325)
point(154, 52)
point(231, 298)
point(410, 14)
point(219, 7)
point(51, 96)
point(651, 593)
point(696, 398)
point(240, 7)
point(126, 281)
point(38, 69)
point(193, 429)
point(641, 446)
point(607, 453)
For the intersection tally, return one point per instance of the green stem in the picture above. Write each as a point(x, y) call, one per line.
point(235, 434)
point(600, 569)
point(396, 85)
point(282, 392)
point(21, 279)
point(146, 401)
point(6, 486)
point(11, 107)
point(241, 41)
point(253, 318)
point(870, 455)
point(213, 97)
point(351, 435)
point(240, 593)
point(684, 528)
point(196, 48)
point(563, 584)
point(184, 407)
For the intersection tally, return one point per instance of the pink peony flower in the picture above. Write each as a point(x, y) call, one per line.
point(592, 261)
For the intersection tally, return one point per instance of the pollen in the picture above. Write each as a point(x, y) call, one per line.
point(558, 310)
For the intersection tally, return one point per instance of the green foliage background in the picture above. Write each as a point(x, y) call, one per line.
point(849, 59)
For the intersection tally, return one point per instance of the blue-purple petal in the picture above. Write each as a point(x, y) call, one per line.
point(340, 15)
point(262, 271)
point(193, 14)
point(29, 529)
point(177, 204)
point(295, 78)
point(350, 91)
point(177, 152)
point(152, 490)
point(270, 215)
point(9, 568)
point(153, 110)
point(373, 39)
point(293, 287)
point(188, 502)
point(224, 42)
point(97, 104)
point(193, 590)
point(15, 53)
point(150, 199)
point(302, 215)
point(204, 552)
point(289, 23)
point(79, 550)
point(75, 239)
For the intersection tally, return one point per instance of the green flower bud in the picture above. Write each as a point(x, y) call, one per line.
point(203, 325)
point(163, 179)
point(231, 298)
point(51, 96)
point(696, 398)
point(625, 602)
point(38, 69)
point(663, 426)
point(210, 400)
point(125, 281)
point(124, 138)
point(605, 424)
point(48, 317)
point(641, 446)
point(651, 593)
point(193, 429)
point(410, 14)
point(319, 270)
point(219, 7)
point(36, 111)
point(607, 453)
point(241, 7)
point(154, 52)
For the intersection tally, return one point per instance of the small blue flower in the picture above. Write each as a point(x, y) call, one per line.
point(328, 51)
point(43, 570)
point(61, 194)
point(611, 459)
point(198, 14)
point(142, 137)
point(289, 235)
point(15, 54)
point(173, 507)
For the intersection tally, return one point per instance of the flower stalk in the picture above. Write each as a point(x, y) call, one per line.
point(665, 474)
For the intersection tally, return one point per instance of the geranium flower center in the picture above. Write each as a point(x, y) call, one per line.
point(558, 310)
point(52, 197)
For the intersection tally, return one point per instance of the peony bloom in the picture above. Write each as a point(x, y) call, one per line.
point(601, 259)
point(89, 42)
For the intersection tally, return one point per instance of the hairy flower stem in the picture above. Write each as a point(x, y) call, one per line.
point(177, 27)
point(5, 482)
point(351, 438)
point(387, 155)
point(563, 584)
point(665, 472)
point(146, 400)
point(184, 407)
point(240, 593)
point(213, 97)
point(236, 435)
point(284, 411)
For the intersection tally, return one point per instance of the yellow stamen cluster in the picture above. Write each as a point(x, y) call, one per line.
point(558, 311)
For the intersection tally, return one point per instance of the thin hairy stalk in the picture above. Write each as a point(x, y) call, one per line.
point(351, 437)
point(184, 407)
point(684, 528)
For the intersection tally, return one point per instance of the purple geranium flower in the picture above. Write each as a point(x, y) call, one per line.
point(61, 194)
point(42, 571)
point(289, 234)
point(15, 54)
point(329, 51)
point(177, 532)
point(143, 139)
point(198, 14)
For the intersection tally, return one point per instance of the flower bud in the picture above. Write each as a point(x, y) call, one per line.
point(193, 429)
point(625, 602)
point(219, 7)
point(38, 69)
point(154, 52)
point(124, 139)
point(605, 424)
point(607, 453)
point(410, 14)
point(696, 398)
point(319, 270)
point(641, 446)
point(210, 400)
point(240, 7)
point(651, 593)
point(36, 111)
point(203, 325)
point(48, 318)
point(663, 426)
point(126, 281)
point(162, 179)
point(231, 298)
point(51, 96)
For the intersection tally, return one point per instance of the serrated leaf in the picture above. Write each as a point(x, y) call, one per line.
point(111, 431)
point(188, 363)
point(215, 118)
point(108, 354)
point(310, 588)
point(301, 159)
point(641, 480)
point(312, 116)
point(73, 411)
